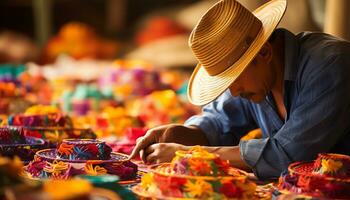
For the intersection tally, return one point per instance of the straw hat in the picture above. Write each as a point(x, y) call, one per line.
point(225, 41)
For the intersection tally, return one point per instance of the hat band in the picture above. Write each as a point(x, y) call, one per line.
point(236, 53)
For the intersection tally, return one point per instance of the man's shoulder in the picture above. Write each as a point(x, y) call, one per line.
point(322, 46)
point(322, 55)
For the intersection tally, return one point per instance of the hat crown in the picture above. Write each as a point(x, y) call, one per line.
point(83, 149)
point(222, 35)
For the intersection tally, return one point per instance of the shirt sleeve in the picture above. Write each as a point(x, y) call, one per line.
point(319, 119)
point(225, 120)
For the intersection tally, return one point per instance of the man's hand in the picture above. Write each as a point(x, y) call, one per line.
point(172, 133)
point(162, 152)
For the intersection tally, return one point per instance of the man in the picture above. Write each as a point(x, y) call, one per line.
point(293, 87)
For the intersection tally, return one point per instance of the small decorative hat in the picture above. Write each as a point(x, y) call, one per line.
point(52, 120)
point(326, 177)
point(80, 156)
point(13, 142)
point(54, 135)
point(224, 41)
point(196, 174)
point(40, 115)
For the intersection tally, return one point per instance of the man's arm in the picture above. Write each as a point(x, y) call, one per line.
point(231, 154)
point(213, 127)
point(225, 120)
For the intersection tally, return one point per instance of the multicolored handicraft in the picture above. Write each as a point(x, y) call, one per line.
point(168, 106)
point(130, 78)
point(58, 134)
point(13, 142)
point(77, 157)
point(48, 120)
point(196, 174)
point(127, 144)
point(326, 177)
point(73, 149)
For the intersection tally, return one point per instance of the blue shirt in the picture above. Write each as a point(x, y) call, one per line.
point(317, 100)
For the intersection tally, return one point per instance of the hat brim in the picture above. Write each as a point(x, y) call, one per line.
point(118, 164)
point(25, 151)
point(30, 143)
point(306, 169)
point(51, 155)
point(204, 88)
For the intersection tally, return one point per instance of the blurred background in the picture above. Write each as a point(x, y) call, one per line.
point(112, 65)
point(36, 30)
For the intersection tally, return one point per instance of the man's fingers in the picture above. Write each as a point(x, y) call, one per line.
point(151, 158)
point(148, 150)
point(142, 155)
point(141, 144)
point(151, 137)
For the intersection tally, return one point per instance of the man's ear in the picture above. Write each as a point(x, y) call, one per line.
point(266, 52)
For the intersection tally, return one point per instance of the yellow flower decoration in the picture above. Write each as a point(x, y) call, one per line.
point(331, 166)
point(56, 167)
point(41, 110)
point(196, 152)
point(95, 171)
point(199, 188)
point(147, 180)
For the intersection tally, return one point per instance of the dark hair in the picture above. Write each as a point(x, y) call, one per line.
point(276, 33)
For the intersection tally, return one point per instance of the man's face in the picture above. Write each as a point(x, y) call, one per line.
point(257, 79)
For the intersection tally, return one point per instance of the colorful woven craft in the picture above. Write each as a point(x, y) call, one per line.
point(75, 149)
point(40, 116)
point(327, 177)
point(168, 106)
point(13, 142)
point(196, 174)
point(11, 135)
point(49, 120)
point(127, 144)
point(129, 78)
point(59, 164)
point(111, 121)
point(57, 134)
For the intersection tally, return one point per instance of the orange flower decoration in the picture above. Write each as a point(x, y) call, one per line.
point(199, 166)
point(97, 170)
point(65, 149)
